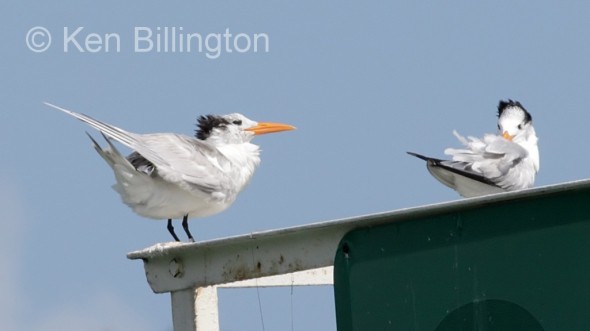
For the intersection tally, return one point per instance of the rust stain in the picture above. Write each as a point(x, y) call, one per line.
point(235, 271)
point(241, 272)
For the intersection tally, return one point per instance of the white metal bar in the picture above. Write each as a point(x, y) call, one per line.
point(312, 277)
point(206, 309)
point(180, 268)
point(183, 310)
point(172, 267)
point(206, 303)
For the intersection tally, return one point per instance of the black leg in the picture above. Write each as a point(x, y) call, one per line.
point(171, 230)
point(185, 227)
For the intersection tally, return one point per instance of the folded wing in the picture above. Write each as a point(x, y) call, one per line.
point(178, 159)
point(493, 157)
point(459, 176)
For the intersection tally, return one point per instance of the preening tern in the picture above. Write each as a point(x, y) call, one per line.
point(497, 163)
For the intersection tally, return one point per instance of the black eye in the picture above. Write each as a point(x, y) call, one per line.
point(499, 127)
point(520, 126)
point(237, 122)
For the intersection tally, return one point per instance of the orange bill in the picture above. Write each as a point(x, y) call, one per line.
point(268, 127)
point(507, 136)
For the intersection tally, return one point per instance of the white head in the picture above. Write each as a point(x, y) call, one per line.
point(516, 124)
point(233, 128)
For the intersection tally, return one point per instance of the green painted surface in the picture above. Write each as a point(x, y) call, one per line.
point(516, 265)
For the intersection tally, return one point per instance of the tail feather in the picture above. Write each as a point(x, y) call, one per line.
point(126, 138)
point(129, 139)
point(131, 184)
point(104, 154)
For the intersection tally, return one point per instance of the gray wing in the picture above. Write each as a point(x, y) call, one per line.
point(446, 171)
point(460, 177)
point(181, 160)
point(492, 157)
point(187, 162)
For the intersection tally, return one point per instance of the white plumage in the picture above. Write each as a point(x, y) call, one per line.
point(497, 163)
point(176, 176)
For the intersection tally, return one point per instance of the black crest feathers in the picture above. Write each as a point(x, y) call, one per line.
point(206, 124)
point(505, 104)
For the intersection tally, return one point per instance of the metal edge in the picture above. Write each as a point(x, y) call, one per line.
point(159, 250)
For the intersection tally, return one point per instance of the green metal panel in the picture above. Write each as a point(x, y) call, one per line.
point(522, 264)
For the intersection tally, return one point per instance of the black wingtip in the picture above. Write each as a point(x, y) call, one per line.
point(96, 145)
point(425, 158)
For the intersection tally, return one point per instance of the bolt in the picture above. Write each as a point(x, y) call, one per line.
point(345, 250)
point(176, 268)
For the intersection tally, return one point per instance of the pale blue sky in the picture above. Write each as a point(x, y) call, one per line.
point(364, 82)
